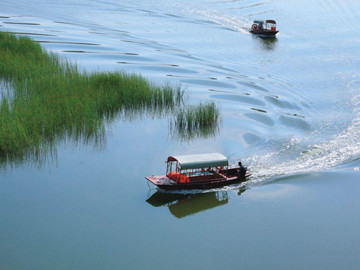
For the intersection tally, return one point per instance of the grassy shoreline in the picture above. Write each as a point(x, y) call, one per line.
point(48, 98)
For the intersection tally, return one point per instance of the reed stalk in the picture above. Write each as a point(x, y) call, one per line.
point(47, 99)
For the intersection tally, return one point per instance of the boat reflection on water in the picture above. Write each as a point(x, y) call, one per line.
point(267, 44)
point(182, 205)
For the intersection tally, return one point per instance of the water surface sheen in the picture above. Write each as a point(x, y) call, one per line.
point(290, 111)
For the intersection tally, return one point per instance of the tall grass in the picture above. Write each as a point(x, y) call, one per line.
point(196, 121)
point(48, 99)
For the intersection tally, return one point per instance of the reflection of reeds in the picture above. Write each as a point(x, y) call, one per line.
point(47, 99)
point(196, 121)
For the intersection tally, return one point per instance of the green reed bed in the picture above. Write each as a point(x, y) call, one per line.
point(49, 99)
point(196, 121)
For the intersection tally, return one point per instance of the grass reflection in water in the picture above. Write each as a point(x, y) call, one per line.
point(195, 121)
point(45, 99)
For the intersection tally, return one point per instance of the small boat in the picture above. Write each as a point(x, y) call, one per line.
point(264, 28)
point(201, 171)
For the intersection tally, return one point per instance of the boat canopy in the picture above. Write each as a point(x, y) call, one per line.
point(200, 161)
point(270, 21)
point(263, 22)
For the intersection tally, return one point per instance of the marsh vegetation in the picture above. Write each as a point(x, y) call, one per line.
point(196, 121)
point(45, 99)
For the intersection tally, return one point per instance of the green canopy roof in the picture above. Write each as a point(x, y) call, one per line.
point(200, 160)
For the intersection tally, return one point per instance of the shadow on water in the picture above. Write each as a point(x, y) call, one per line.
point(267, 44)
point(183, 205)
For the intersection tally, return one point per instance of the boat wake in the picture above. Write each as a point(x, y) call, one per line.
point(342, 148)
point(298, 156)
point(222, 19)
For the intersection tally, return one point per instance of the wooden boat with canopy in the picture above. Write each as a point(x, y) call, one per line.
point(201, 171)
point(264, 28)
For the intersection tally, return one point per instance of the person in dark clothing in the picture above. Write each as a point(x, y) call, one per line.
point(242, 169)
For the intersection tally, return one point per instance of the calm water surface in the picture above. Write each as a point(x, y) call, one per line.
point(290, 111)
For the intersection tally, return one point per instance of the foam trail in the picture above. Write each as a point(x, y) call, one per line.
point(223, 19)
point(341, 148)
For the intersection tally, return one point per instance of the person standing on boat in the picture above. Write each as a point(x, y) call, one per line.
point(242, 170)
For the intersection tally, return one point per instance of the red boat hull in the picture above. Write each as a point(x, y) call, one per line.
point(166, 183)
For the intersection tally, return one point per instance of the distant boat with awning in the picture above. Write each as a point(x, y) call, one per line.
point(264, 28)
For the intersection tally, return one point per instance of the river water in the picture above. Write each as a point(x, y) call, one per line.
point(290, 111)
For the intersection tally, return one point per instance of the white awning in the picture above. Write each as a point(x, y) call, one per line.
point(200, 160)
